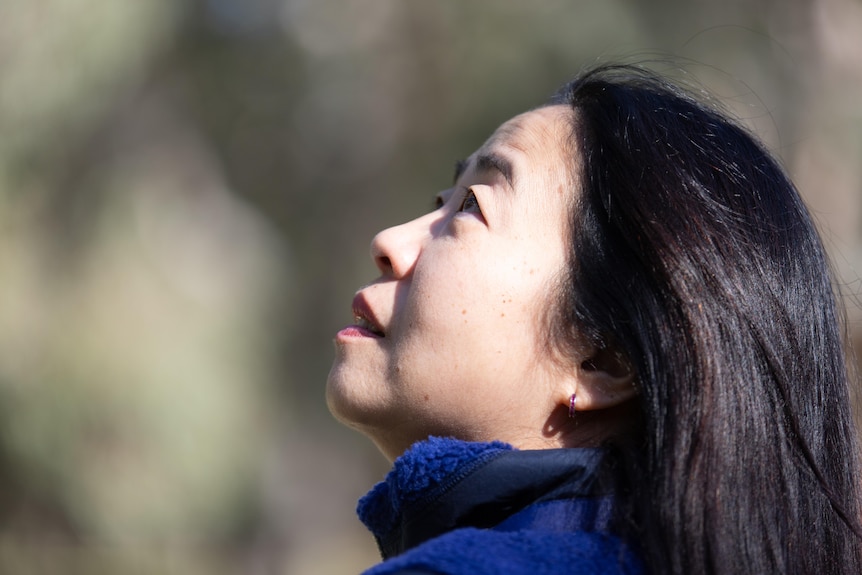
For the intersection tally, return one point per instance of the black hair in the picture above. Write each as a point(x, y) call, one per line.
point(694, 255)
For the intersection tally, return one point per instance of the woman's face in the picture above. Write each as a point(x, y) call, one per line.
point(451, 339)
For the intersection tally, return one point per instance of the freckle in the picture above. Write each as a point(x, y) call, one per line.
point(532, 271)
point(502, 315)
point(426, 398)
point(397, 369)
point(463, 312)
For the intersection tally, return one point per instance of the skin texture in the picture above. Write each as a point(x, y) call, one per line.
point(462, 300)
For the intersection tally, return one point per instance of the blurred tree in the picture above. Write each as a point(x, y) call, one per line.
point(187, 193)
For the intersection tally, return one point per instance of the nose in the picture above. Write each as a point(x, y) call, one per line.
point(395, 250)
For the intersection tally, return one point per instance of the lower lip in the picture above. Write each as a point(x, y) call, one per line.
point(353, 331)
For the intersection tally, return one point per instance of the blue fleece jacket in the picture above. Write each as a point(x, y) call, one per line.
point(455, 507)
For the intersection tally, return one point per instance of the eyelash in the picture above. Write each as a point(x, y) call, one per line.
point(469, 196)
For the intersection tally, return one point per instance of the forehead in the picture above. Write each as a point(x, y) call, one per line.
point(539, 158)
point(543, 131)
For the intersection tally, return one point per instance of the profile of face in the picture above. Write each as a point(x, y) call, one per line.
point(452, 339)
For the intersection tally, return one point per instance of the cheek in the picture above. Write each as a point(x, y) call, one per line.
point(474, 316)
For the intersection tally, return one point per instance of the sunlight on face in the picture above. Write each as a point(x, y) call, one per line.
point(450, 339)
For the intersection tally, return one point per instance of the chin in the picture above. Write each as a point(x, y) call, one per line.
point(351, 400)
point(368, 414)
point(338, 397)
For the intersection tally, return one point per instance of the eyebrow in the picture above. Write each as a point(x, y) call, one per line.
point(488, 162)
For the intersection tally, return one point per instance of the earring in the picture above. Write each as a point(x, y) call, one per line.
point(572, 405)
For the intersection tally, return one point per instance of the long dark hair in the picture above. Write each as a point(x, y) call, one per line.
point(694, 255)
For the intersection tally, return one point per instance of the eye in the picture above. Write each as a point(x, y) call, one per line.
point(470, 204)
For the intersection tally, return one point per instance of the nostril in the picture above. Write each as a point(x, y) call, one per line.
point(379, 253)
point(395, 250)
point(384, 263)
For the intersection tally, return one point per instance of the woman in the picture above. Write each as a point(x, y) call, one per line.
point(622, 315)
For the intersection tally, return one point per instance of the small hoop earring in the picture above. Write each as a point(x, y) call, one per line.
point(572, 405)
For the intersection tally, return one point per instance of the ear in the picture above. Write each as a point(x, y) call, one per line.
point(605, 379)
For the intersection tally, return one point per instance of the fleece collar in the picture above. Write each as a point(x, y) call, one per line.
point(442, 484)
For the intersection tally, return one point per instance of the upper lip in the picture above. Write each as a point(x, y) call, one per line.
point(363, 315)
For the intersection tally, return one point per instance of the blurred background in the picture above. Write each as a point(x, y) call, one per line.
point(188, 189)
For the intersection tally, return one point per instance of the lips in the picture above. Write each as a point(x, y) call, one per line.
point(364, 318)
